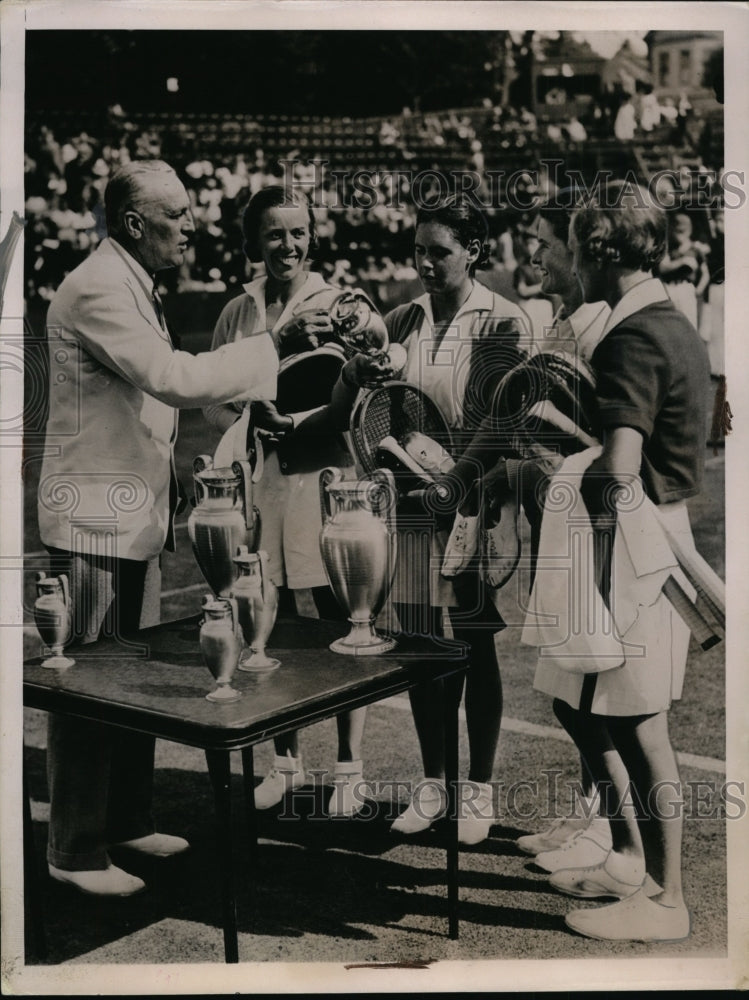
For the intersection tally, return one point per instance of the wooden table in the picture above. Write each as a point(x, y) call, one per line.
point(157, 685)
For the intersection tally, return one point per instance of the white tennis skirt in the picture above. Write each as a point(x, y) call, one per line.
point(652, 675)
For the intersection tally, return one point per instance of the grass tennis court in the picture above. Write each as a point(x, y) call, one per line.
point(350, 891)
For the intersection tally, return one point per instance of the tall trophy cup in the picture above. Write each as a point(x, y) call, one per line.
point(220, 645)
point(223, 519)
point(257, 605)
point(52, 615)
point(358, 545)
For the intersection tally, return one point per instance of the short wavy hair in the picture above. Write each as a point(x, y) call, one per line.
point(273, 196)
point(124, 190)
point(465, 220)
point(622, 225)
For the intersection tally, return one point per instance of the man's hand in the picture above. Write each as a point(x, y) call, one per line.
point(304, 332)
point(263, 414)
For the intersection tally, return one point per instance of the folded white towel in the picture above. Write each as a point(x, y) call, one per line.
point(567, 616)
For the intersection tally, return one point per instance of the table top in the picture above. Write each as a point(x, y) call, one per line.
point(159, 685)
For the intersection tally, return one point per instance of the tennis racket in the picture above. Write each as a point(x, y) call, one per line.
point(390, 414)
point(306, 380)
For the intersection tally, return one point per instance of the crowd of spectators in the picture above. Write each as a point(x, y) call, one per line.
point(365, 238)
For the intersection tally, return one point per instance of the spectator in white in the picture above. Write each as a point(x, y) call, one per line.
point(111, 432)
point(576, 130)
point(712, 317)
point(625, 123)
point(683, 269)
point(650, 112)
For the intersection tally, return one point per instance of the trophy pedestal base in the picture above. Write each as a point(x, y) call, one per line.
point(224, 693)
point(257, 661)
point(362, 640)
point(57, 662)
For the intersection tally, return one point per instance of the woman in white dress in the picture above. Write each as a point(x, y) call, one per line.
point(291, 302)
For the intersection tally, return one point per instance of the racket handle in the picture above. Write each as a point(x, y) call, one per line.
point(699, 626)
point(702, 576)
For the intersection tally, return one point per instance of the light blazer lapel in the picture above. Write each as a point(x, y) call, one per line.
point(136, 282)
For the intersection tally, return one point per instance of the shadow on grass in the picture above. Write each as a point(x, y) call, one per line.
point(311, 874)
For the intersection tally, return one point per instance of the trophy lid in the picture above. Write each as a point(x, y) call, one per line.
point(244, 557)
point(216, 607)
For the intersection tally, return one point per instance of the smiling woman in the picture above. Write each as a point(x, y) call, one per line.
point(292, 303)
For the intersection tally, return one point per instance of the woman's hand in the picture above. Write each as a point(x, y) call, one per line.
point(304, 332)
point(367, 369)
point(442, 497)
point(263, 414)
point(496, 483)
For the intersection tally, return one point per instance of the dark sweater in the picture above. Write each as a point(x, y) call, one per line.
point(652, 374)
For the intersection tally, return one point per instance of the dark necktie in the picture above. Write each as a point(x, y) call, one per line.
point(158, 306)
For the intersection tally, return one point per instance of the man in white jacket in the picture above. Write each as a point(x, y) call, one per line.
point(108, 494)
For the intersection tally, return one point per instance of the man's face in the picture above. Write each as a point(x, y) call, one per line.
point(166, 222)
point(553, 261)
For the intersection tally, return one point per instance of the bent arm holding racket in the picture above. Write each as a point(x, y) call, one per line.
point(360, 371)
point(301, 333)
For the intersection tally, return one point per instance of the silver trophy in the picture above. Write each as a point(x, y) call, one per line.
point(256, 597)
point(223, 519)
point(53, 618)
point(358, 543)
point(220, 645)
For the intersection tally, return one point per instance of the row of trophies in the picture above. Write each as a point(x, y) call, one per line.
point(357, 542)
point(358, 546)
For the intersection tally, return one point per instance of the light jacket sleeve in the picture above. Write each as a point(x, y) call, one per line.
point(113, 328)
point(222, 415)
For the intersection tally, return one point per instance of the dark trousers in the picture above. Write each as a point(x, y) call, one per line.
point(100, 777)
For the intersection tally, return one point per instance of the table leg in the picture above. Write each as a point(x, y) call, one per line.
point(31, 890)
point(451, 780)
point(248, 775)
point(220, 773)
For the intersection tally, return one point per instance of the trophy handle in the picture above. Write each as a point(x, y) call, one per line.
point(263, 566)
point(65, 585)
point(200, 464)
point(328, 476)
point(41, 575)
point(374, 317)
point(244, 471)
point(383, 496)
point(258, 528)
point(234, 611)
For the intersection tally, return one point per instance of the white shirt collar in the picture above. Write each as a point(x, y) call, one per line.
point(481, 299)
point(644, 293)
point(146, 279)
point(313, 283)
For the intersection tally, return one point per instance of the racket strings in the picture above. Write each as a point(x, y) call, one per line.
point(394, 411)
